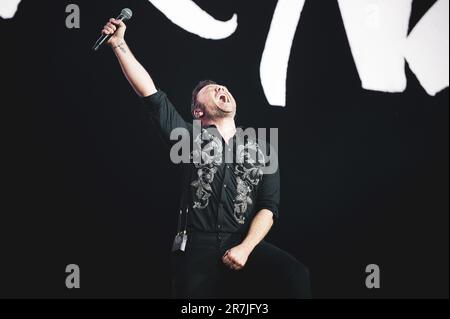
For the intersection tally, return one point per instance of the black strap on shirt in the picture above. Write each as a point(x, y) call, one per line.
point(184, 202)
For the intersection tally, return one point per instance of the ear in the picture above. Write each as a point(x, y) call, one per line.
point(198, 113)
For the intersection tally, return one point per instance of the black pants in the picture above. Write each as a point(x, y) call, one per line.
point(199, 272)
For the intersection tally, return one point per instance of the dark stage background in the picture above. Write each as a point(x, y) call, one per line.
point(87, 181)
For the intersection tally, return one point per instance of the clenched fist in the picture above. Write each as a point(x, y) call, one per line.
point(116, 28)
point(236, 257)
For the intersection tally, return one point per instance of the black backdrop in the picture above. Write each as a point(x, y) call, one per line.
point(364, 174)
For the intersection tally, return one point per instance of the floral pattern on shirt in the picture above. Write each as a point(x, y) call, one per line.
point(248, 171)
point(208, 157)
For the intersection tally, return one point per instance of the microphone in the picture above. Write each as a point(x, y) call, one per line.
point(125, 15)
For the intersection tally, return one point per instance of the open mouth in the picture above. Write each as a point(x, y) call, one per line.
point(224, 98)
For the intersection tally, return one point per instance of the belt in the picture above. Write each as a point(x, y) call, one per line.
point(216, 239)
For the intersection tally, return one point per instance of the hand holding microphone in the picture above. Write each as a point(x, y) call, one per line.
point(113, 32)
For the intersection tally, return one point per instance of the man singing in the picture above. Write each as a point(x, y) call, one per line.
point(228, 206)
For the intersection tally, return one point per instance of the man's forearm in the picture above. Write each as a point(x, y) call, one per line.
point(136, 74)
point(259, 228)
point(237, 257)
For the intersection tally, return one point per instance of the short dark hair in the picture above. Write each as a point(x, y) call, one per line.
point(197, 89)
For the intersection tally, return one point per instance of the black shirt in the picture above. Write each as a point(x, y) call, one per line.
point(223, 195)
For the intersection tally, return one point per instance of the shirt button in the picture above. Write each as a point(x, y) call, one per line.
point(225, 185)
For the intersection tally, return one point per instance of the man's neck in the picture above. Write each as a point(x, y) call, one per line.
point(225, 126)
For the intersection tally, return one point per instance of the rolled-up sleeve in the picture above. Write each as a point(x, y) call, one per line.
point(161, 110)
point(268, 196)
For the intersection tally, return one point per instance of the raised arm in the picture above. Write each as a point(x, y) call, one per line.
point(138, 77)
point(156, 103)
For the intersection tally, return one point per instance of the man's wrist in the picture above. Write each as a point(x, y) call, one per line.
point(248, 246)
point(117, 44)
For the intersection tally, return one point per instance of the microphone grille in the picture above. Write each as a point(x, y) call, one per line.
point(127, 13)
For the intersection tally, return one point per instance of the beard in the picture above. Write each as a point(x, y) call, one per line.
point(218, 114)
point(215, 112)
point(212, 111)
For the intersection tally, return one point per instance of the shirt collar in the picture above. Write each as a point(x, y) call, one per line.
point(236, 137)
